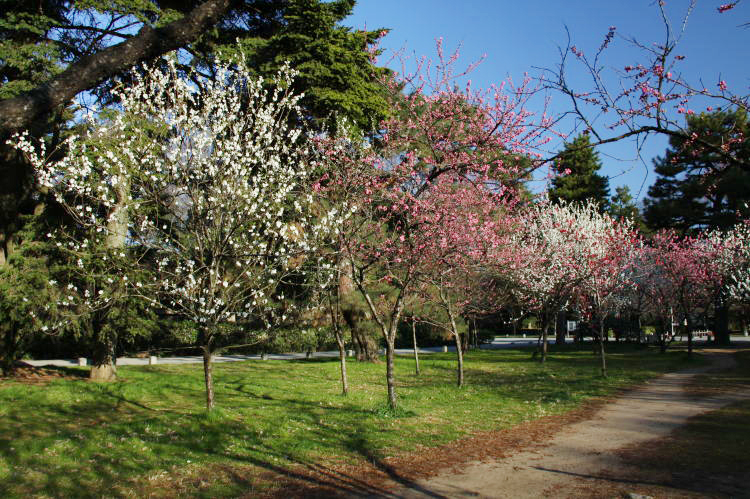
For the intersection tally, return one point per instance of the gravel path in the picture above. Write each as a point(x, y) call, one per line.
point(583, 450)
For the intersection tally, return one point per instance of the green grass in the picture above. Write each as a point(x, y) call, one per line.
point(148, 433)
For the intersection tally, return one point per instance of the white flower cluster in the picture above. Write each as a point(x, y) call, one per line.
point(571, 251)
point(204, 177)
point(733, 259)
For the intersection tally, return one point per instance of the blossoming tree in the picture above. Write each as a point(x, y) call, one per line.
point(542, 265)
point(738, 262)
point(205, 187)
point(570, 254)
point(649, 94)
point(437, 131)
point(681, 277)
point(466, 223)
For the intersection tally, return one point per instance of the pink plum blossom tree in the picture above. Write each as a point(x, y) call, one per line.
point(439, 137)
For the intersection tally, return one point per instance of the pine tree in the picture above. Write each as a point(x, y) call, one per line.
point(579, 163)
point(622, 207)
point(694, 191)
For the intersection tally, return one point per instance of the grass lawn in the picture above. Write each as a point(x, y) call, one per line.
point(148, 433)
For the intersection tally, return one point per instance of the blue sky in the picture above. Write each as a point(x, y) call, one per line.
point(518, 36)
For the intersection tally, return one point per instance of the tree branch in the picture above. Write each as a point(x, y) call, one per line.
point(19, 112)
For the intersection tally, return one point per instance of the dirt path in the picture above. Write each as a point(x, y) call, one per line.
point(583, 450)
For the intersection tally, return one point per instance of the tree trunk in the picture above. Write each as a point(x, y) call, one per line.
point(389, 372)
point(4, 253)
point(459, 350)
point(334, 309)
point(602, 353)
point(721, 323)
point(103, 358)
point(10, 349)
point(208, 376)
point(640, 330)
point(389, 331)
point(416, 349)
point(561, 327)
point(364, 345)
point(545, 338)
point(342, 359)
point(460, 355)
point(476, 332)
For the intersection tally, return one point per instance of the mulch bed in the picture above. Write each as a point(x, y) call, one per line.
point(26, 373)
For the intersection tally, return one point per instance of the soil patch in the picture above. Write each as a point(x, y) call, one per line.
point(377, 477)
point(26, 373)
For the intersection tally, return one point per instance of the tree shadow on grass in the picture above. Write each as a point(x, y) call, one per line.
point(116, 436)
point(109, 443)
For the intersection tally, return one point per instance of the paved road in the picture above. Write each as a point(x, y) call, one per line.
point(497, 343)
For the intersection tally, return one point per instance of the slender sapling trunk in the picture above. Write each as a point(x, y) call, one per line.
point(416, 349)
point(602, 353)
point(208, 375)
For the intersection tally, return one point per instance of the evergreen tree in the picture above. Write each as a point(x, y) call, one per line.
point(336, 76)
point(694, 190)
point(622, 206)
point(579, 163)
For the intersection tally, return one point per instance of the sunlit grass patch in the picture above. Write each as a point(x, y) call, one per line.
point(150, 432)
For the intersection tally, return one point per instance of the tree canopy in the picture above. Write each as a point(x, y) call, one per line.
point(580, 182)
point(695, 188)
point(54, 50)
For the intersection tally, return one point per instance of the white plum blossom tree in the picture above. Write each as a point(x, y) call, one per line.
point(570, 254)
point(734, 259)
point(203, 181)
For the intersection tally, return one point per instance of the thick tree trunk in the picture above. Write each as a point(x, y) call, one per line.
point(105, 339)
point(561, 327)
point(416, 348)
point(10, 349)
point(364, 346)
point(208, 376)
point(103, 358)
point(721, 323)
